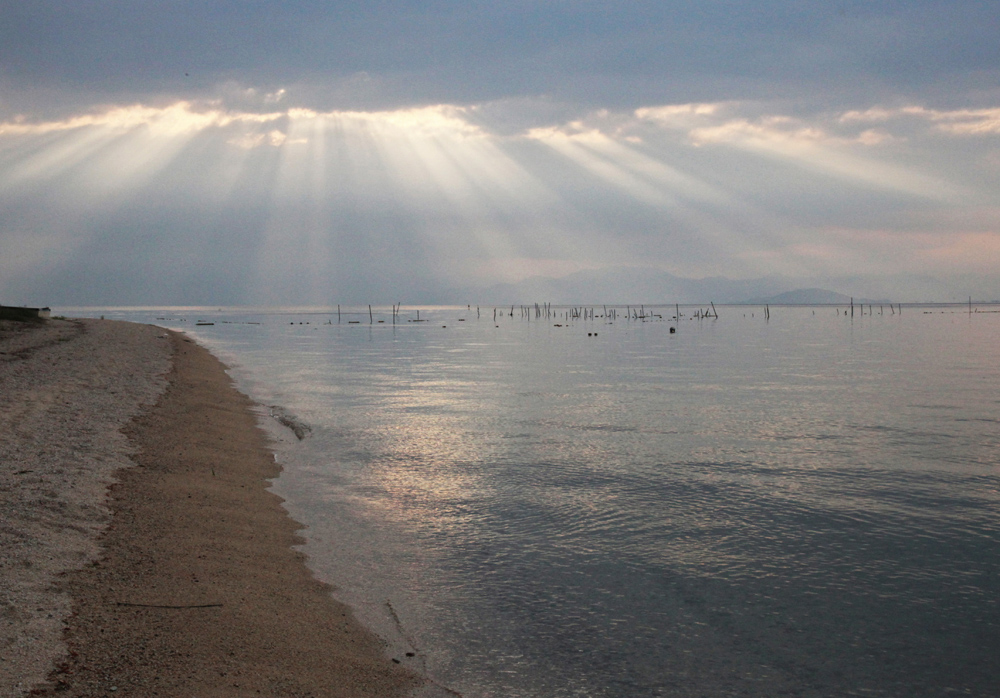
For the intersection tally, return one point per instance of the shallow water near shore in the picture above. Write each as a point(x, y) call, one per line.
point(805, 505)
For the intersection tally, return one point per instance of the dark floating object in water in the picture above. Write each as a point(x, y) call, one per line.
point(202, 324)
point(673, 330)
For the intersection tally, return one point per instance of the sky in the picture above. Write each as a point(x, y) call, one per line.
point(256, 152)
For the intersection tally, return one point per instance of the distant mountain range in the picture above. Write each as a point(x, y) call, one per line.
point(811, 296)
point(631, 285)
point(623, 286)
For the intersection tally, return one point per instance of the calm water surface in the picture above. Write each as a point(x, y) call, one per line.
point(805, 506)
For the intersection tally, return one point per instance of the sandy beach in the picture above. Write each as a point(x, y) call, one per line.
point(143, 552)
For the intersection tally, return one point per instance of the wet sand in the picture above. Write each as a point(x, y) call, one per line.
point(196, 589)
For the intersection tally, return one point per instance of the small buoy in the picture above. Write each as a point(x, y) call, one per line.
point(672, 330)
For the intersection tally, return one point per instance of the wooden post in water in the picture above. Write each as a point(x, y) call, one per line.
point(338, 313)
point(371, 320)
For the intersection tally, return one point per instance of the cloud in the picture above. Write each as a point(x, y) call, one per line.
point(274, 139)
point(324, 148)
point(166, 129)
point(958, 122)
point(816, 144)
point(239, 198)
point(173, 120)
point(962, 122)
point(386, 55)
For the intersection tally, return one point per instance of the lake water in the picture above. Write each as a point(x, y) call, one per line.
point(802, 505)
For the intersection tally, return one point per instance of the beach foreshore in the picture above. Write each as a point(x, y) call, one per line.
point(179, 580)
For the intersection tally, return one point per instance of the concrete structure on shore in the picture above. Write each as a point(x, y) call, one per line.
point(10, 312)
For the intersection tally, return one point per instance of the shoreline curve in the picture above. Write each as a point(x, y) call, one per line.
point(197, 589)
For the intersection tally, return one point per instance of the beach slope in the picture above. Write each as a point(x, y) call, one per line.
point(197, 589)
point(66, 390)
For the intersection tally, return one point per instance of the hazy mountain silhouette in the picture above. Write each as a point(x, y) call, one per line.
point(634, 285)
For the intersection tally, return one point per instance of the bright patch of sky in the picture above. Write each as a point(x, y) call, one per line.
point(318, 153)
